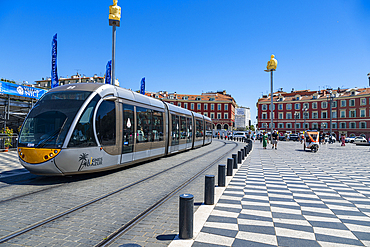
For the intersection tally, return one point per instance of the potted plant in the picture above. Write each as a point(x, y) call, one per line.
point(8, 140)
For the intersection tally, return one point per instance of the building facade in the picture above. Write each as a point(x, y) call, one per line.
point(242, 118)
point(45, 83)
point(348, 110)
point(218, 106)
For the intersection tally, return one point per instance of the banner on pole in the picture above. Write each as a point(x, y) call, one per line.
point(142, 89)
point(54, 72)
point(108, 72)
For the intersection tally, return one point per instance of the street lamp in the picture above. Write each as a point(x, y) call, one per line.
point(114, 21)
point(271, 67)
point(304, 116)
point(330, 98)
point(368, 76)
point(295, 122)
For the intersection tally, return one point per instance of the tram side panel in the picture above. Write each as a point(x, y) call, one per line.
point(102, 150)
point(199, 132)
point(208, 132)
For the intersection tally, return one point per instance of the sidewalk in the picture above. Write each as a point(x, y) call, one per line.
point(10, 165)
point(288, 197)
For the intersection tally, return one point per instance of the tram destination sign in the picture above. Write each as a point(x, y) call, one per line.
point(19, 90)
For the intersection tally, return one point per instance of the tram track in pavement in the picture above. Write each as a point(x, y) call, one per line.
point(90, 202)
point(111, 238)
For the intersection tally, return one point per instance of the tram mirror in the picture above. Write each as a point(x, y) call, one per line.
point(110, 98)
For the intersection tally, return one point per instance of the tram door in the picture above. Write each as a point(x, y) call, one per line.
point(175, 133)
point(128, 133)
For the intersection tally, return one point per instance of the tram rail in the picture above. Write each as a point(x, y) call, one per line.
point(111, 238)
point(136, 219)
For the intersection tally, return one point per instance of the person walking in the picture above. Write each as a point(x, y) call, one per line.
point(274, 139)
point(264, 140)
point(343, 139)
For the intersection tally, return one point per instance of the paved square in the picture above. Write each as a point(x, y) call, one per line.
point(295, 198)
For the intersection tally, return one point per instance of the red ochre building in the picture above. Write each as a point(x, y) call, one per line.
point(218, 106)
point(350, 111)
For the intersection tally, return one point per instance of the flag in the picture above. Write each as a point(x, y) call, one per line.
point(142, 89)
point(54, 72)
point(108, 72)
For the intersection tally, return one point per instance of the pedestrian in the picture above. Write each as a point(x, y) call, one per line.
point(264, 140)
point(343, 139)
point(274, 139)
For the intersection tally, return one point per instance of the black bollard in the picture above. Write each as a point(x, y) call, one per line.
point(245, 151)
point(186, 216)
point(239, 157)
point(235, 158)
point(243, 155)
point(221, 175)
point(230, 165)
point(209, 190)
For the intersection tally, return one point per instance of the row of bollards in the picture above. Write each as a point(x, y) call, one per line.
point(186, 207)
point(230, 138)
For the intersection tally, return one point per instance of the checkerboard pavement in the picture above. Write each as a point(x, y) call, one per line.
point(288, 197)
point(10, 165)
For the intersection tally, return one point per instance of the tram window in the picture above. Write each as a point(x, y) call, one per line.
point(189, 130)
point(144, 127)
point(175, 130)
point(50, 119)
point(128, 129)
point(157, 126)
point(199, 128)
point(106, 123)
point(83, 134)
point(183, 127)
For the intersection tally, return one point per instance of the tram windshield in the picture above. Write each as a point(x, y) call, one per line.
point(49, 121)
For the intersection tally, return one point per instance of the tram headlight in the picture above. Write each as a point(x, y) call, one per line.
point(51, 155)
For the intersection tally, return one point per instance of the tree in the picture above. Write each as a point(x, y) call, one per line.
point(252, 128)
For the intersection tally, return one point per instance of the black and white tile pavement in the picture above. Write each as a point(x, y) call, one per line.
point(288, 197)
point(9, 164)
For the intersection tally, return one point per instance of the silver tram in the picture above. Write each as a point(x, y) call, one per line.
point(85, 127)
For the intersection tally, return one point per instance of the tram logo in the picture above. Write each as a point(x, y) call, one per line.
point(86, 162)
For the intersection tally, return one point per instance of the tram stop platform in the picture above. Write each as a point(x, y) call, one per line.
point(290, 197)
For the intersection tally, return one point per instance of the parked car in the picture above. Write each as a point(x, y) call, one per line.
point(350, 139)
point(282, 138)
point(333, 139)
point(240, 134)
point(293, 137)
point(360, 139)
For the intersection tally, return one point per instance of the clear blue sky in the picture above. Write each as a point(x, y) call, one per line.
point(193, 46)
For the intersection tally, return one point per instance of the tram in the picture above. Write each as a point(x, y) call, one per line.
point(86, 127)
